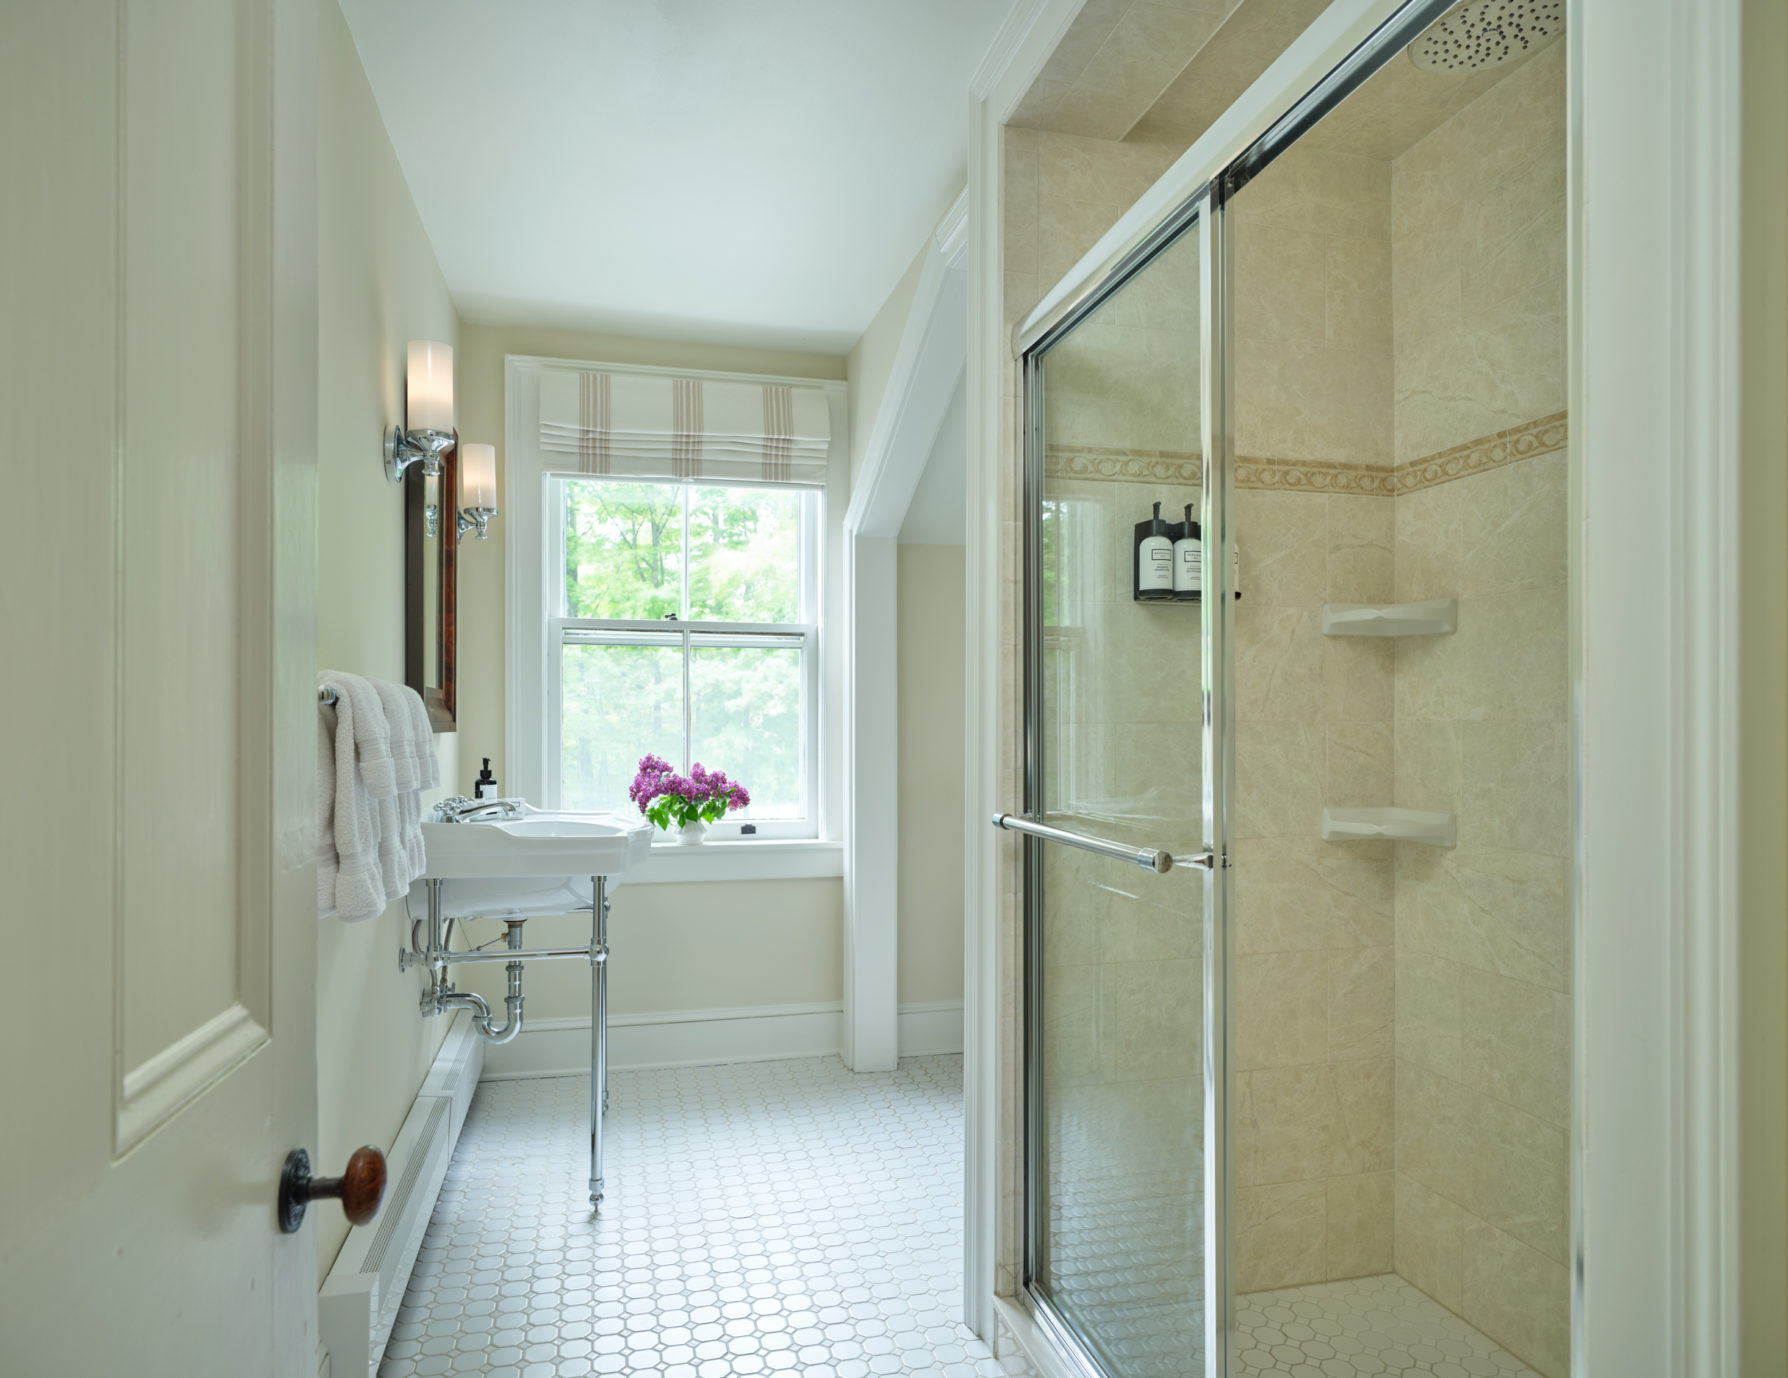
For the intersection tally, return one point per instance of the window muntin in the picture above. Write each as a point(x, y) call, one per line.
point(684, 626)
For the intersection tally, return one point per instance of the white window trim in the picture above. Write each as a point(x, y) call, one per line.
point(529, 639)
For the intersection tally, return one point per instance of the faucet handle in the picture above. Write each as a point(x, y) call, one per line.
point(448, 809)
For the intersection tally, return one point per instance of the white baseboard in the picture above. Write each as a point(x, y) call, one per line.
point(688, 1038)
point(359, 1299)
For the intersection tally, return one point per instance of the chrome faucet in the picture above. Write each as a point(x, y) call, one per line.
point(459, 809)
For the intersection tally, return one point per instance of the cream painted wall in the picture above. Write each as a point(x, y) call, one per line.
point(689, 947)
point(378, 287)
point(1763, 699)
point(930, 816)
point(676, 947)
point(871, 359)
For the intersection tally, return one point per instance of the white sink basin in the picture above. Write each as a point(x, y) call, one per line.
point(540, 863)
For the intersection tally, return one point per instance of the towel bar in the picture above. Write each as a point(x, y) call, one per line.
point(326, 696)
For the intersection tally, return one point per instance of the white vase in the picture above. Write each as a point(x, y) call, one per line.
point(691, 834)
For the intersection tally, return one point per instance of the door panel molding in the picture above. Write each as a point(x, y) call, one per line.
point(159, 1088)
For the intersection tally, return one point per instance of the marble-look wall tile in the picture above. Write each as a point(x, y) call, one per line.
point(1300, 894)
point(1360, 1214)
point(1362, 549)
point(1509, 659)
point(1517, 1043)
point(1280, 1233)
point(1144, 51)
point(1517, 1296)
point(1499, 531)
point(1360, 762)
point(1309, 401)
point(1478, 254)
point(1523, 1181)
point(1281, 1004)
point(1430, 1241)
point(1495, 911)
point(1361, 1005)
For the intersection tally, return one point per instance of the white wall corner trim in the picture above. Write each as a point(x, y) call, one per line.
point(1654, 418)
point(692, 1038)
point(1017, 54)
point(928, 363)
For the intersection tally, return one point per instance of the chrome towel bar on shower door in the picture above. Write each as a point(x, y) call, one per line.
point(1146, 857)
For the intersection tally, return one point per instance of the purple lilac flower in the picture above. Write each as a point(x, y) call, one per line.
point(657, 778)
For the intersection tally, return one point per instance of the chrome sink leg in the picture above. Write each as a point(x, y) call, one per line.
point(437, 969)
point(598, 1030)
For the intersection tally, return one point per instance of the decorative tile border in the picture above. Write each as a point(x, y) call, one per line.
point(1314, 476)
point(1531, 438)
point(1105, 464)
point(1182, 468)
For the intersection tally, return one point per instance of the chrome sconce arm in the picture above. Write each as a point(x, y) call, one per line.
point(474, 519)
point(404, 448)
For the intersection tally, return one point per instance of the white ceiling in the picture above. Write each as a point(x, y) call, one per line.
point(732, 173)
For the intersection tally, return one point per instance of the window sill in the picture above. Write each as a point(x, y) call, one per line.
point(758, 859)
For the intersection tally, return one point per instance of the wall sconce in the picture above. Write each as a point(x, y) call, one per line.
point(427, 427)
point(478, 488)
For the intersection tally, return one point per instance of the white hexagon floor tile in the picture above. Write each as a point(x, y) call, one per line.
point(760, 1218)
point(1365, 1327)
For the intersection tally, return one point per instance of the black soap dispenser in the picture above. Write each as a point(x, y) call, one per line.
point(485, 787)
point(1154, 559)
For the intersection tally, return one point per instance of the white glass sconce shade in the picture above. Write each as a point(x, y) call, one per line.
point(477, 488)
point(428, 398)
point(427, 427)
point(478, 475)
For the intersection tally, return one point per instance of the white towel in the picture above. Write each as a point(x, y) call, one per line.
point(370, 774)
point(412, 745)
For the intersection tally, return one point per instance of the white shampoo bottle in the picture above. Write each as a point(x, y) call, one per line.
point(1154, 561)
point(1188, 562)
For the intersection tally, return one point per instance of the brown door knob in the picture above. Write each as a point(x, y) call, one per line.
point(359, 1189)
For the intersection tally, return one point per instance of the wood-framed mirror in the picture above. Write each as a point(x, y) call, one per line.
point(431, 585)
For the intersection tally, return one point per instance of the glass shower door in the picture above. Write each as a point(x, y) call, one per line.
point(1122, 1089)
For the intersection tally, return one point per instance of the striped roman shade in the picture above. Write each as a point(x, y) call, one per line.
point(643, 425)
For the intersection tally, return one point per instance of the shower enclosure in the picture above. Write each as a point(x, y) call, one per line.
point(1297, 1063)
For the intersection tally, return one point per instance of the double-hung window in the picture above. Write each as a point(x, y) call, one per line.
point(686, 626)
point(667, 594)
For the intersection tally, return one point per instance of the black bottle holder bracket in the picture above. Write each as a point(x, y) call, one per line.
point(1174, 531)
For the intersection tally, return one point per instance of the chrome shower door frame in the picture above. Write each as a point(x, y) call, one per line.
point(1192, 218)
point(1203, 213)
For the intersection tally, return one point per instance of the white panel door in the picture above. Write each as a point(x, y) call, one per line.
point(157, 610)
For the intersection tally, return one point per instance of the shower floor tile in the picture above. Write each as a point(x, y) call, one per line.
point(761, 1218)
point(1365, 1326)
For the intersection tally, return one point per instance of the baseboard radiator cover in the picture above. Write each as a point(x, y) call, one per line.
point(357, 1305)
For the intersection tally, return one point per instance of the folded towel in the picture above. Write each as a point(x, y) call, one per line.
point(412, 738)
point(369, 807)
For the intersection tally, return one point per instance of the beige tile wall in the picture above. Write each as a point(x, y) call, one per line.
point(1478, 227)
point(1482, 723)
point(1311, 923)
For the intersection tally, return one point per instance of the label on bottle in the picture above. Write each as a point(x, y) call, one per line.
point(1155, 569)
point(1188, 567)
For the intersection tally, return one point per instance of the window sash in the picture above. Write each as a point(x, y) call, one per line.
point(807, 552)
point(690, 637)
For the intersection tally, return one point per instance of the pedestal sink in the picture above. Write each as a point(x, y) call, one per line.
point(538, 863)
point(517, 863)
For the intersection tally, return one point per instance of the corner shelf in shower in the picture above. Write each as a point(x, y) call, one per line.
point(1435, 617)
point(1393, 825)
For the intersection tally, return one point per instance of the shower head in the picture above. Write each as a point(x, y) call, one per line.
point(1486, 33)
